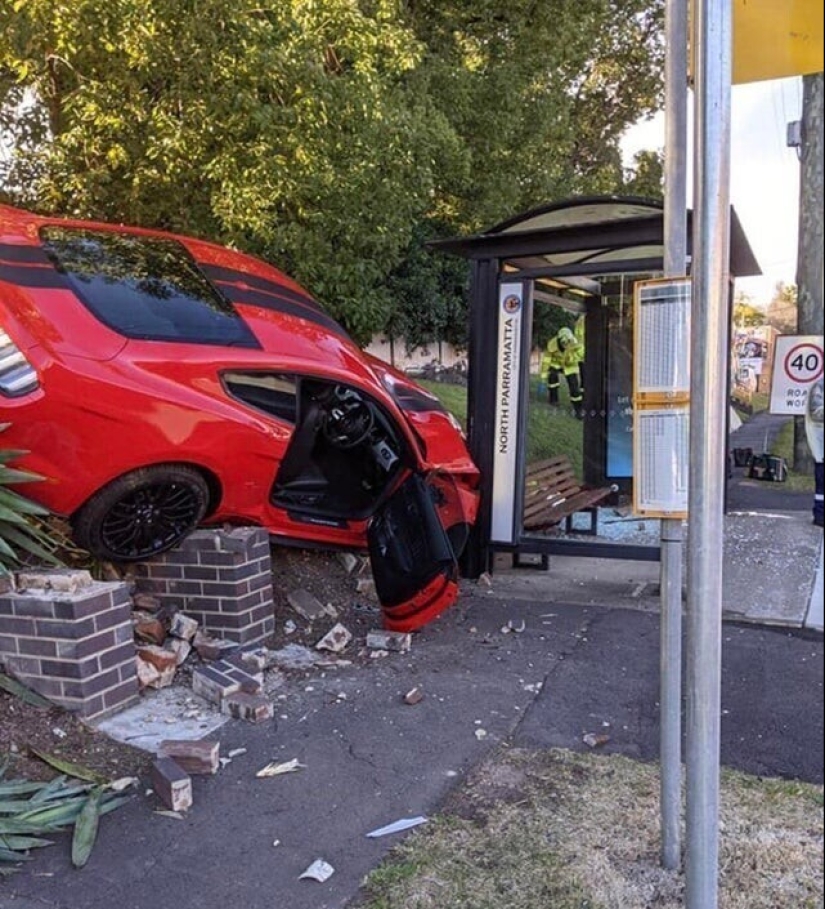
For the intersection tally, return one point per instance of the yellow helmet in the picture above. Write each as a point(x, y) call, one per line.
point(565, 336)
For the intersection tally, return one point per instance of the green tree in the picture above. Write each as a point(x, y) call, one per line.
point(284, 128)
point(782, 310)
point(645, 177)
point(539, 94)
point(745, 314)
point(323, 136)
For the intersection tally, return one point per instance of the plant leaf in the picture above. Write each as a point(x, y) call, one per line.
point(69, 767)
point(22, 692)
point(12, 841)
point(85, 829)
point(7, 855)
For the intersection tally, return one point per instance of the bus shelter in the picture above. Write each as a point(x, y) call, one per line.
point(583, 257)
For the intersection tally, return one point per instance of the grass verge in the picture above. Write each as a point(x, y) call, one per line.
point(558, 830)
point(550, 431)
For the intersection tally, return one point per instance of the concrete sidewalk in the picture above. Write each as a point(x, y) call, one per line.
point(770, 565)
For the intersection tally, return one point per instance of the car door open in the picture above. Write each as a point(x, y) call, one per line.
point(413, 562)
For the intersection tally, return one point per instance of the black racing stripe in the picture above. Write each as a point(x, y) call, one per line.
point(279, 302)
point(31, 276)
point(223, 275)
point(28, 266)
point(23, 255)
point(234, 276)
point(416, 401)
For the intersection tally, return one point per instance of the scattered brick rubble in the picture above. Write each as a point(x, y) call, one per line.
point(170, 646)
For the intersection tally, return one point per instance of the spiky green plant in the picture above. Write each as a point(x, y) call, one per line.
point(20, 538)
point(28, 810)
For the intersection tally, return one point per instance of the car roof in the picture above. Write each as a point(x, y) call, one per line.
point(283, 317)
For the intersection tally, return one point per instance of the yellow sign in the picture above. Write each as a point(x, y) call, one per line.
point(773, 39)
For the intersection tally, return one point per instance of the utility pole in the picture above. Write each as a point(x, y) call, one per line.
point(809, 261)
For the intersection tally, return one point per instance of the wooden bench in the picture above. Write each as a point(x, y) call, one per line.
point(552, 494)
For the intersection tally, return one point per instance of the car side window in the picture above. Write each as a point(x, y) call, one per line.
point(273, 393)
point(143, 287)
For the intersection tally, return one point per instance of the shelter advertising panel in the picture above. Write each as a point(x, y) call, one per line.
point(506, 466)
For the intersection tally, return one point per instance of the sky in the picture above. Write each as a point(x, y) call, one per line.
point(764, 175)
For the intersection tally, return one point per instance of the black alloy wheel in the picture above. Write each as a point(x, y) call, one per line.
point(143, 513)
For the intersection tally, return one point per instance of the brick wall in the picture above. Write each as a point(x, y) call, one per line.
point(72, 646)
point(221, 578)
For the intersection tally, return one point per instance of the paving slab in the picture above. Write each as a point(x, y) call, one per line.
point(169, 713)
point(769, 569)
point(770, 566)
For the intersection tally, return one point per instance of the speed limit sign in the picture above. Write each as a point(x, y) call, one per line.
point(797, 364)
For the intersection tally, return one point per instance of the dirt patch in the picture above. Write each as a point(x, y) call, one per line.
point(64, 735)
point(348, 591)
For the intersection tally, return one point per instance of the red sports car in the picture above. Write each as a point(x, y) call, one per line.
point(160, 382)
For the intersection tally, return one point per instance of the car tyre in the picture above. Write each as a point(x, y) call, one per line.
point(142, 513)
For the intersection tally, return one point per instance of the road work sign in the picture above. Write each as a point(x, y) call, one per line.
point(798, 363)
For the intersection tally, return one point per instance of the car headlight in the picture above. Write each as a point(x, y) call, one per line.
point(17, 375)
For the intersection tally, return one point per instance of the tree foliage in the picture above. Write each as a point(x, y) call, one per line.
point(782, 310)
point(745, 314)
point(328, 136)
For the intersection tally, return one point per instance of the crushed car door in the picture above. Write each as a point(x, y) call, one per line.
point(413, 562)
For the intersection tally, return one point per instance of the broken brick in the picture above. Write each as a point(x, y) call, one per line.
point(182, 626)
point(148, 627)
point(195, 756)
point(172, 784)
point(146, 602)
point(146, 672)
point(211, 648)
point(159, 657)
point(180, 648)
point(247, 681)
point(350, 561)
point(336, 639)
point(60, 580)
point(212, 684)
point(306, 605)
point(398, 641)
point(252, 707)
point(253, 658)
point(164, 678)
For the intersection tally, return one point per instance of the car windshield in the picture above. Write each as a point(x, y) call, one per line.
point(144, 287)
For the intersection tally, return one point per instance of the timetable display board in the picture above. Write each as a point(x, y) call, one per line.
point(661, 397)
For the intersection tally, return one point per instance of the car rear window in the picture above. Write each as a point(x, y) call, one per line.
point(273, 393)
point(144, 287)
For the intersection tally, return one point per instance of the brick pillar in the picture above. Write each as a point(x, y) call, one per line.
point(72, 645)
point(222, 578)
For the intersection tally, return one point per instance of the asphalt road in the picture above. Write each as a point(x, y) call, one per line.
point(369, 759)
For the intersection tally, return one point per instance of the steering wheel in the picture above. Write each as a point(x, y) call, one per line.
point(347, 419)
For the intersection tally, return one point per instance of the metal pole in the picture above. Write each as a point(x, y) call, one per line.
point(675, 255)
point(711, 222)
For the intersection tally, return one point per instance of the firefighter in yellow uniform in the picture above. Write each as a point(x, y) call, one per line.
point(563, 354)
point(578, 333)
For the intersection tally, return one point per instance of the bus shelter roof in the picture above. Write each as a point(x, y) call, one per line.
point(592, 235)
